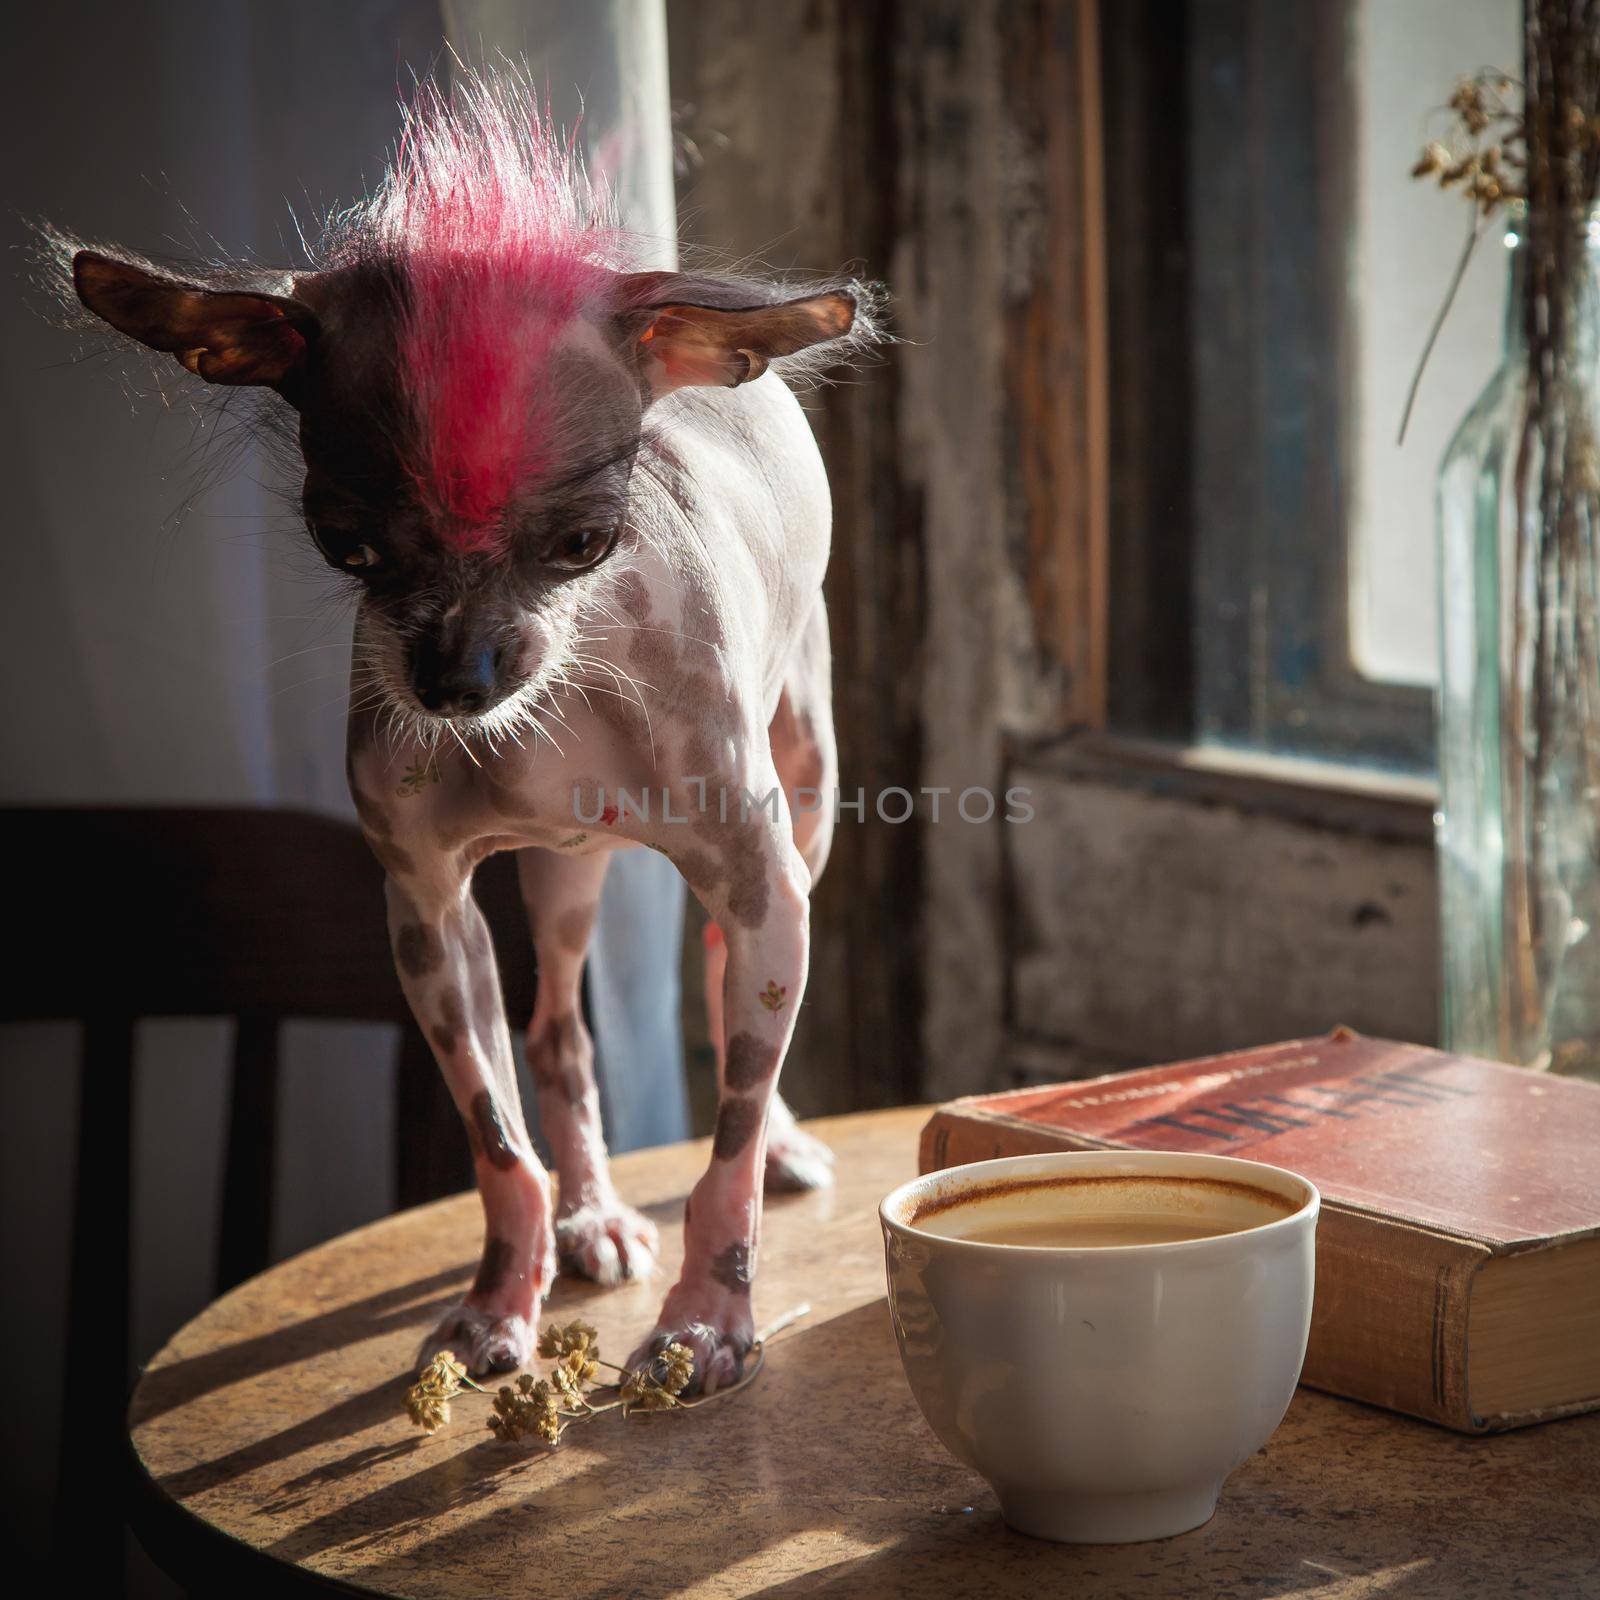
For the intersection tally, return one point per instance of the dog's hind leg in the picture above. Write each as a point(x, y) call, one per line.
point(596, 1235)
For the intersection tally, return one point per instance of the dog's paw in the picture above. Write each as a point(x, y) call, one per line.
point(713, 1325)
point(607, 1243)
point(796, 1160)
point(482, 1341)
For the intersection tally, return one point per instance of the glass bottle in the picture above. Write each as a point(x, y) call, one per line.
point(1519, 700)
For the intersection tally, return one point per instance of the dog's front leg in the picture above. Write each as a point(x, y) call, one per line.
point(446, 963)
point(756, 886)
point(595, 1233)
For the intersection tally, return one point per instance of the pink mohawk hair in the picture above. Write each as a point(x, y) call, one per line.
point(500, 241)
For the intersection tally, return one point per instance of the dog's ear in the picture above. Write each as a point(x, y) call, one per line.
point(221, 335)
point(678, 343)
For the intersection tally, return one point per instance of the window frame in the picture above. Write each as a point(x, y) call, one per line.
point(1201, 515)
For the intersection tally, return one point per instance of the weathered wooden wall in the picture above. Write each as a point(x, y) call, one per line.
point(928, 143)
point(952, 148)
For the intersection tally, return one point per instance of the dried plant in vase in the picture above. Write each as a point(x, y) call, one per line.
point(1519, 524)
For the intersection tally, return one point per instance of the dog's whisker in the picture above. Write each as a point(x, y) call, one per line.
point(671, 633)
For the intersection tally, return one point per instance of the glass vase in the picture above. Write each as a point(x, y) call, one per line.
point(1519, 702)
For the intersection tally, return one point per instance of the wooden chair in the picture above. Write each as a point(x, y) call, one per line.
point(255, 915)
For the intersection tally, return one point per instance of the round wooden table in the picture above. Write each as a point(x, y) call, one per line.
point(273, 1455)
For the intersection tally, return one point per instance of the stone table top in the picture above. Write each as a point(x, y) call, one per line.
point(275, 1450)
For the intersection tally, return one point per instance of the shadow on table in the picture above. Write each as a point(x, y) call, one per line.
point(350, 1415)
point(166, 1388)
point(411, 1307)
point(822, 1478)
point(415, 1305)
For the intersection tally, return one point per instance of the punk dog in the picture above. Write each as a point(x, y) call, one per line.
point(586, 526)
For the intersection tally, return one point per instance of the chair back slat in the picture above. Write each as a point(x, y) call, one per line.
point(182, 911)
point(90, 1471)
point(244, 1237)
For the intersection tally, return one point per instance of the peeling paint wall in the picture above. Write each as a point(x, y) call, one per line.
point(1149, 927)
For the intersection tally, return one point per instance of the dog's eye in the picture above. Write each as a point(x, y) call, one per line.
point(345, 549)
point(582, 548)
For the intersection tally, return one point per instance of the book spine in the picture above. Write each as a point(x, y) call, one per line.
point(1389, 1325)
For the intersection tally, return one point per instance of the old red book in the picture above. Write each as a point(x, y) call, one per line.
point(1458, 1252)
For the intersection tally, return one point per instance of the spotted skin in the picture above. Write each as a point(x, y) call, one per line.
point(556, 1051)
point(750, 1061)
point(738, 1122)
point(732, 1268)
point(496, 1265)
point(417, 949)
point(493, 1141)
point(451, 1019)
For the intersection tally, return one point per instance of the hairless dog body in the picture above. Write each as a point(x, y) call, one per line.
point(588, 526)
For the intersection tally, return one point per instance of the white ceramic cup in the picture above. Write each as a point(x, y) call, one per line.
point(1105, 1391)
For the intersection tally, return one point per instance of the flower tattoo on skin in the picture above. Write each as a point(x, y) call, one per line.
point(423, 771)
point(772, 997)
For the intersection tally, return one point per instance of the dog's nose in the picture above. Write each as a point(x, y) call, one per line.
point(462, 685)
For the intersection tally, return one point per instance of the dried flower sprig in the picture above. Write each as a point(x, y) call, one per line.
point(544, 1408)
point(648, 1392)
point(529, 1408)
point(563, 1339)
point(428, 1399)
point(1485, 155)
